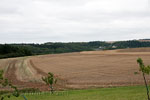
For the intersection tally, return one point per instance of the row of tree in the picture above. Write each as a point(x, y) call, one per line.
point(7, 51)
point(17, 50)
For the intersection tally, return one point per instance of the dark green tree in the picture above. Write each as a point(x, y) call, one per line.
point(145, 70)
point(5, 83)
point(50, 80)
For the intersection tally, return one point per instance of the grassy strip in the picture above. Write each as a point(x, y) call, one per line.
point(27, 91)
point(118, 93)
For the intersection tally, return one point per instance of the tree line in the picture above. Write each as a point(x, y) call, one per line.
point(8, 50)
point(18, 50)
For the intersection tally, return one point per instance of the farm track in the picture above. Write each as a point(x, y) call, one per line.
point(37, 69)
point(11, 75)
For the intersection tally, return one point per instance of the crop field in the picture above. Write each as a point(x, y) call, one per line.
point(88, 69)
point(119, 93)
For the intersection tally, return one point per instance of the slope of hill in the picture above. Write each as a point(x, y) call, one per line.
point(146, 50)
point(78, 70)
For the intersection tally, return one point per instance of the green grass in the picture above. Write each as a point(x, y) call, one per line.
point(118, 93)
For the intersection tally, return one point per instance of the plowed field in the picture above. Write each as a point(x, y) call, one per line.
point(78, 70)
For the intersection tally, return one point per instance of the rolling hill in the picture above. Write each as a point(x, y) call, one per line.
point(78, 70)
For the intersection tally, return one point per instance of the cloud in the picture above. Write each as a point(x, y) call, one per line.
point(73, 20)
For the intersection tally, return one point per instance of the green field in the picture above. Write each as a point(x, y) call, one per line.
point(118, 93)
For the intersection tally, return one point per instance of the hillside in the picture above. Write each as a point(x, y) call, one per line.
point(78, 70)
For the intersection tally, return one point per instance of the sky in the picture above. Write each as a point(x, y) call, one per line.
point(39, 21)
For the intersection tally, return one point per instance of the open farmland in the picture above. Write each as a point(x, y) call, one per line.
point(78, 70)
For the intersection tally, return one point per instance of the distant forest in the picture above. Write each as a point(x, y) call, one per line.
point(19, 50)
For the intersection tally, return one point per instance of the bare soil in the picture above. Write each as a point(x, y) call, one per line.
point(81, 70)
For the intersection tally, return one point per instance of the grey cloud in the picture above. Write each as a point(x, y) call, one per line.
point(73, 20)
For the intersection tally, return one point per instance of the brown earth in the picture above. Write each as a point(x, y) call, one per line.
point(79, 70)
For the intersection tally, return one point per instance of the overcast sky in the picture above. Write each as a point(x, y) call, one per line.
point(39, 21)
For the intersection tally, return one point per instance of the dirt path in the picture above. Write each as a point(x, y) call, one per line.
point(39, 71)
point(11, 75)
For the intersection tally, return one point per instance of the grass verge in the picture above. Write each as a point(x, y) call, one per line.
point(118, 93)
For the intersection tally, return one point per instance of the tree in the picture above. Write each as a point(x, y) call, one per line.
point(50, 80)
point(4, 82)
point(145, 70)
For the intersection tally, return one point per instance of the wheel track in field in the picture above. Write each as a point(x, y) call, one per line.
point(10, 74)
point(61, 82)
point(37, 69)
